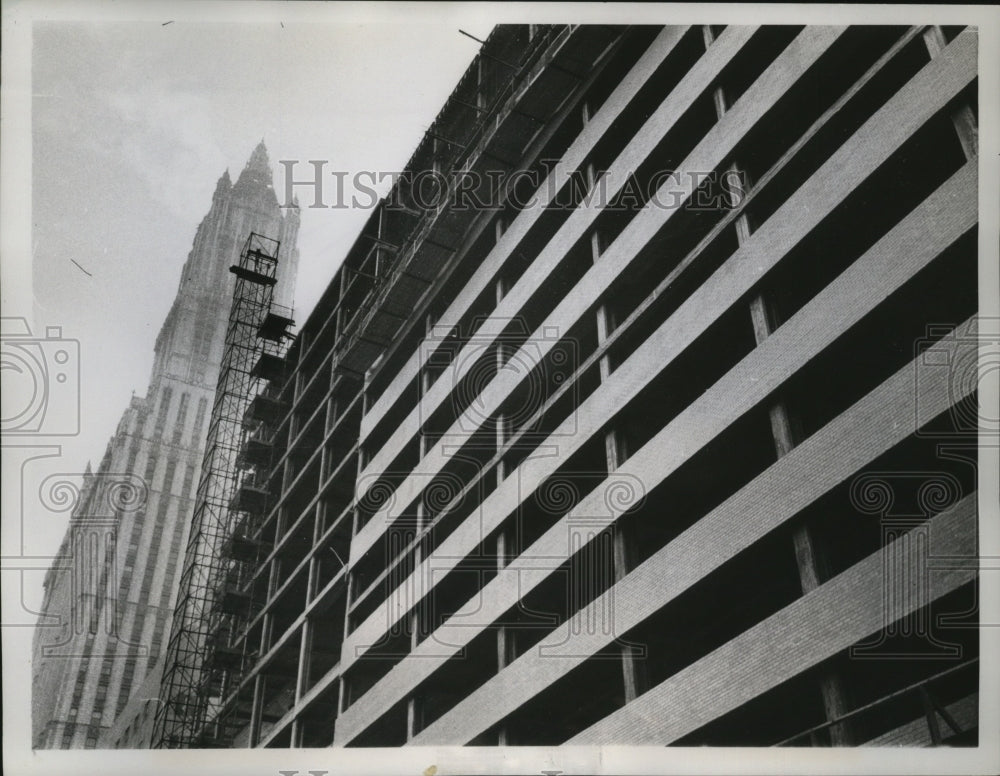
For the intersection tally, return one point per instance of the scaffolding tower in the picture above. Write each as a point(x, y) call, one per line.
point(204, 658)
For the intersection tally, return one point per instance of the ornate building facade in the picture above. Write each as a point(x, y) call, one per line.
point(109, 597)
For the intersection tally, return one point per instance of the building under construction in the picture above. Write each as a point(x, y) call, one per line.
point(670, 440)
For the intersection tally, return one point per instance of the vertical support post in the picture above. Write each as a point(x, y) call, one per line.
point(615, 451)
point(785, 437)
point(962, 117)
point(412, 703)
point(305, 652)
point(342, 697)
point(256, 709)
point(505, 642)
point(343, 692)
point(423, 445)
point(502, 547)
point(932, 724)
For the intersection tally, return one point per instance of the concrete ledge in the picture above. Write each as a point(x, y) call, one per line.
point(869, 428)
point(836, 615)
point(913, 243)
point(707, 155)
point(853, 162)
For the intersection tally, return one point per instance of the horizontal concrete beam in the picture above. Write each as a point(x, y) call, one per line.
point(710, 152)
point(934, 225)
point(851, 164)
point(830, 619)
point(572, 160)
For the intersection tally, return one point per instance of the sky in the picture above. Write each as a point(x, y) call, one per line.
point(132, 125)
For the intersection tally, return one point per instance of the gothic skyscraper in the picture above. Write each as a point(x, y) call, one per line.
point(109, 596)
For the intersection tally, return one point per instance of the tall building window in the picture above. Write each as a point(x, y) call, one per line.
point(186, 491)
point(181, 417)
point(199, 419)
point(205, 332)
point(161, 418)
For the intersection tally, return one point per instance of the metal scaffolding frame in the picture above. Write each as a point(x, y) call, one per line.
point(505, 103)
point(217, 594)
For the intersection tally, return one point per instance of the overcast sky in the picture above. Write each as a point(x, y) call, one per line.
point(134, 122)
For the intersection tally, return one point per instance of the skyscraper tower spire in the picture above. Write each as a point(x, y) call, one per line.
point(86, 672)
point(258, 167)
